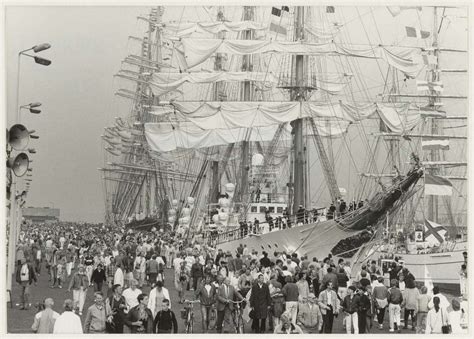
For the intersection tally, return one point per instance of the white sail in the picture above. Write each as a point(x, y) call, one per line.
point(186, 29)
point(196, 51)
point(225, 115)
point(163, 83)
point(166, 137)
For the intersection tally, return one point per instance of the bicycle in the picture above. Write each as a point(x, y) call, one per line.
point(237, 316)
point(188, 315)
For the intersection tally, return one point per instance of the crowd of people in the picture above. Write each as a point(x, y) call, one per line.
point(281, 292)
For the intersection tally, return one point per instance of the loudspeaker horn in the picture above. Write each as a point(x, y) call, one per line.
point(18, 137)
point(19, 164)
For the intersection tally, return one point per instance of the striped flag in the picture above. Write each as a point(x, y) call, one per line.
point(435, 185)
point(413, 32)
point(435, 143)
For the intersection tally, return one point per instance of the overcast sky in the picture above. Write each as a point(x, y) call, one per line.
point(77, 93)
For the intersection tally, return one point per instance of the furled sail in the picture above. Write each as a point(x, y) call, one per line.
point(196, 51)
point(186, 29)
point(224, 115)
point(166, 137)
point(163, 83)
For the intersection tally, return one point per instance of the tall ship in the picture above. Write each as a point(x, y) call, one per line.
point(313, 130)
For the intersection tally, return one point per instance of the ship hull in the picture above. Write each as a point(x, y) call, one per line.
point(442, 268)
point(313, 240)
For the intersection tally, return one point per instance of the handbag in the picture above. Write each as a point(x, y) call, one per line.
point(446, 329)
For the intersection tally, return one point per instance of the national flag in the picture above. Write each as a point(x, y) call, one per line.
point(413, 32)
point(276, 11)
point(435, 185)
point(434, 233)
point(279, 20)
point(330, 9)
point(434, 143)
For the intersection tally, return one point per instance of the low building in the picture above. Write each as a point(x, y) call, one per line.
point(40, 214)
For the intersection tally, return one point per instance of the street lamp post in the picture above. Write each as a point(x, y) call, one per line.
point(14, 206)
point(38, 60)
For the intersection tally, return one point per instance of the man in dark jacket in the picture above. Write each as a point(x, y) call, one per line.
point(265, 262)
point(260, 302)
point(225, 295)
point(197, 272)
point(25, 275)
point(165, 320)
point(350, 306)
point(206, 293)
point(98, 278)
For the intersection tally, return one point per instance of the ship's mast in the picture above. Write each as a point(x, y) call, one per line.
point(247, 67)
point(218, 91)
point(435, 124)
point(298, 94)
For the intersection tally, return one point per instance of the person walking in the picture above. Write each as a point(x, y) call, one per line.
point(437, 318)
point(410, 296)
point(303, 286)
point(25, 276)
point(79, 284)
point(364, 313)
point(329, 305)
point(89, 265)
point(183, 278)
point(68, 322)
point(130, 294)
point(454, 318)
point(152, 270)
point(45, 319)
point(225, 294)
point(165, 320)
point(350, 306)
point(140, 318)
point(117, 305)
point(206, 293)
point(309, 315)
point(139, 268)
point(197, 272)
point(379, 298)
point(98, 277)
point(260, 302)
point(157, 298)
point(291, 293)
point(97, 315)
point(119, 276)
point(421, 310)
point(395, 298)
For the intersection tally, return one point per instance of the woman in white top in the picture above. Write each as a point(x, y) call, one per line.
point(454, 317)
point(436, 318)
